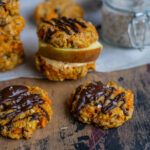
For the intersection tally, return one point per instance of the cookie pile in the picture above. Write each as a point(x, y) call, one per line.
point(11, 25)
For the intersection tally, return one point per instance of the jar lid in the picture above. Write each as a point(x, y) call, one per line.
point(129, 5)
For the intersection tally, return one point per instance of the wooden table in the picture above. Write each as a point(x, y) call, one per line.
point(64, 133)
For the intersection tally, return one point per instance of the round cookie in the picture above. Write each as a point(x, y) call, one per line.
point(67, 33)
point(23, 110)
point(11, 54)
point(60, 8)
point(60, 71)
point(107, 106)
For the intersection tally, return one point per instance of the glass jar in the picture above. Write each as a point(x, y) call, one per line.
point(126, 23)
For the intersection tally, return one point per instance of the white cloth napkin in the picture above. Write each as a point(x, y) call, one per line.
point(111, 59)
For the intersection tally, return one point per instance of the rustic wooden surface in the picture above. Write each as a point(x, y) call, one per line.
point(63, 133)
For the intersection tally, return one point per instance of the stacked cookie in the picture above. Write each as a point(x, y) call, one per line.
point(11, 25)
point(68, 45)
point(68, 48)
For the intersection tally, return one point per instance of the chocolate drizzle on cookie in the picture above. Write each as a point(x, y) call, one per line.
point(95, 91)
point(113, 103)
point(48, 35)
point(17, 99)
point(67, 25)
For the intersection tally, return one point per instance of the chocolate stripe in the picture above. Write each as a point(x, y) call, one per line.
point(95, 91)
point(46, 113)
point(60, 24)
point(48, 35)
point(71, 24)
point(113, 103)
point(67, 25)
point(34, 116)
point(17, 99)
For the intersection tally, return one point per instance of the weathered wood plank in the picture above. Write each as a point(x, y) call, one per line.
point(63, 133)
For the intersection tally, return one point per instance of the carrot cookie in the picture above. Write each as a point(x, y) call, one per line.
point(11, 25)
point(23, 110)
point(58, 8)
point(12, 6)
point(11, 54)
point(107, 106)
point(9, 7)
point(68, 48)
point(14, 27)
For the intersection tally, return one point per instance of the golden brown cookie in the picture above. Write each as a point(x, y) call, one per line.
point(68, 48)
point(67, 33)
point(14, 27)
point(58, 8)
point(23, 110)
point(11, 25)
point(11, 54)
point(107, 106)
point(60, 71)
point(9, 8)
point(6, 37)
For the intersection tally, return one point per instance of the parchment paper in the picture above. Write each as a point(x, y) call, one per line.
point(112, 58)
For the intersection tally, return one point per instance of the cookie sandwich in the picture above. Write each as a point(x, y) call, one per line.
point(68, 48)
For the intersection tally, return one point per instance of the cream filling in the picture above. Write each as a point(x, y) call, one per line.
point(60, 64)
